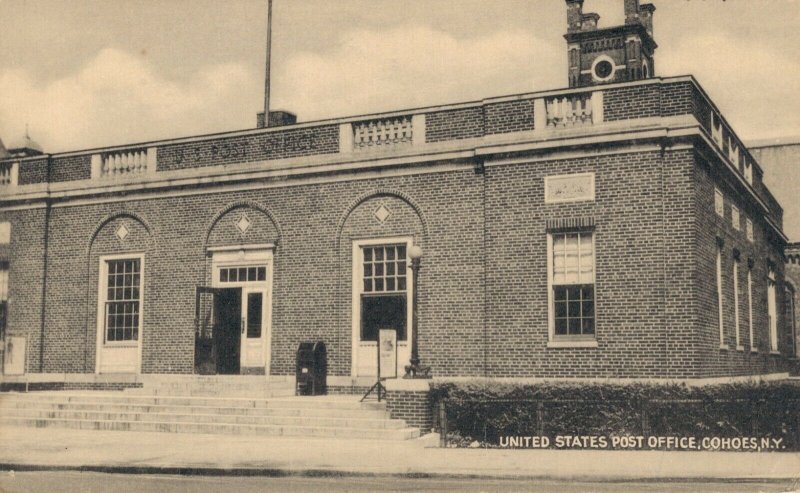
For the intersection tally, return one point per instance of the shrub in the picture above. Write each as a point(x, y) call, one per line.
point(486, 410)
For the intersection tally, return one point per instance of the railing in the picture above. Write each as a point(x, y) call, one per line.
point(385, 132)
point(7, 174)
point(124, 163)
point(569, 110)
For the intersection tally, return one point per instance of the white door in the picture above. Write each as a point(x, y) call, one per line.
point(254, 321)
point(382, 294)
point(250, 270)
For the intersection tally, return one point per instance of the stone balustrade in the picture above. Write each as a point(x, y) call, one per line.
point(123, 163)
point(8, 173)
point(729, 146)
point(568, 110)
point(385, 132)
point(382, 134)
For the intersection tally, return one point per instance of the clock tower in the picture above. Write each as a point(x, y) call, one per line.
point(612, 54)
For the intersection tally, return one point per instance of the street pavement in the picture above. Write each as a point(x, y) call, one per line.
point(83, 482)
point(167, 453)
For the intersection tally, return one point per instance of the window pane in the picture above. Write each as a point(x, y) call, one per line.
point(254, 304)
point(389, 284)
point(401, 252)
point(587, 309)
point(560, 309)
point(588, 326)
point(574, 308)
point(378, 254)
point(251, 274)
point(574, 326)
point(383, 312)
point(223, 275)
point(379, 284)
point(367, 270)
point(262, 273)
point(379, 269)
point(390, 253)
point(401, 268)
point(367, 285)
point(401, 283)
point(390, 269)
point(560, 293)
point(561, 326)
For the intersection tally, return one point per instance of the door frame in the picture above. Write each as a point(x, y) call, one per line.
point(357, 288)
point(102, 290)
point(240, 257)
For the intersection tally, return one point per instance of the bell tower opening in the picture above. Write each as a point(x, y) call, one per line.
point(611, 54)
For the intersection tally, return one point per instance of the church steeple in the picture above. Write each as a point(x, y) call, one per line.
point(612, 54)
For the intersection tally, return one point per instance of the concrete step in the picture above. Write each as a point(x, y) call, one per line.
point(265, 393)
point(355, 421)
point(213, 428)
point(122, 407)
point(316, 402)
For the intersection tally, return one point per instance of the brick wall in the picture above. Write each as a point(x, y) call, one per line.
point(70, 168)
point(509, 116)
point(33, 171)
point(462, 123)
point(710, 228)
point(630, 247)
point(631, 102)
point(248, 148)
point(415, 407)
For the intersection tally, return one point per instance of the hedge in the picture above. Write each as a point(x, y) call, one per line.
point(483, 411)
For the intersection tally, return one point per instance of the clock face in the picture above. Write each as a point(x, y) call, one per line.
point(603, 69)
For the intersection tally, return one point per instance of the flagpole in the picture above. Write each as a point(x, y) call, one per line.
point(269, 56)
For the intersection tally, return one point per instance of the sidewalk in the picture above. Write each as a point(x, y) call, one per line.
point(52, 448)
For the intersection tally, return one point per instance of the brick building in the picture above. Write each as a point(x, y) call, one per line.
point(618, 228)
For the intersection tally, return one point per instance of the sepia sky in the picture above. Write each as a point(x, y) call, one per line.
point(87, 73)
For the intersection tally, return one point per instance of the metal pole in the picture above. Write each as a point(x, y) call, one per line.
point(269, 56)
point(415, 307)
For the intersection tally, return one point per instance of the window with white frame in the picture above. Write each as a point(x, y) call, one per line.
point(753, 346)
point(122, 300)
point(748, 172)
point(748, 224)
point(384, 291)
point(719, 297)
point(772, 310)
point(5, 233)
point(3, 298)
point(736, 302)
point(572, 262)
point(719, 203)
point(735, 218)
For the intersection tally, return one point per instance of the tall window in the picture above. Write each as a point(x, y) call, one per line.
point(3, 299)
point(123, 300)
point(719, 202)
point(719, 297)
point(736, 302)
point(735, 221)
point(383, 297)
point(573, 284)
point(772, 311)
point(753, 346)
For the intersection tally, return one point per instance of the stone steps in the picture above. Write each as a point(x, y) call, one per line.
point(321, 416)
point(214, 428)
point(277, 420)
point(10, 404)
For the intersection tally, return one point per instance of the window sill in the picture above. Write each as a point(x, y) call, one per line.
point(571, 344)
point(724, 347)
point(740, 348)
point(754, 350)
point(777, 353)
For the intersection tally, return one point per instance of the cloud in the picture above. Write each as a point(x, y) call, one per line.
point(410, 66)
point(118, 98)
point(753, 85)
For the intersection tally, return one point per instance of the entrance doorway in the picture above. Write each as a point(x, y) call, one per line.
point(233, 316)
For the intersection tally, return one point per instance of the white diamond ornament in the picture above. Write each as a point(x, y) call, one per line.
point(243, 224)
point(122, 232)
point(382, 214)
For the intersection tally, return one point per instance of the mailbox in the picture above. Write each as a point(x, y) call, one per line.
point(311, 372)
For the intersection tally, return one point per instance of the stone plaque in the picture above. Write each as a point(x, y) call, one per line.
point(569, 188)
